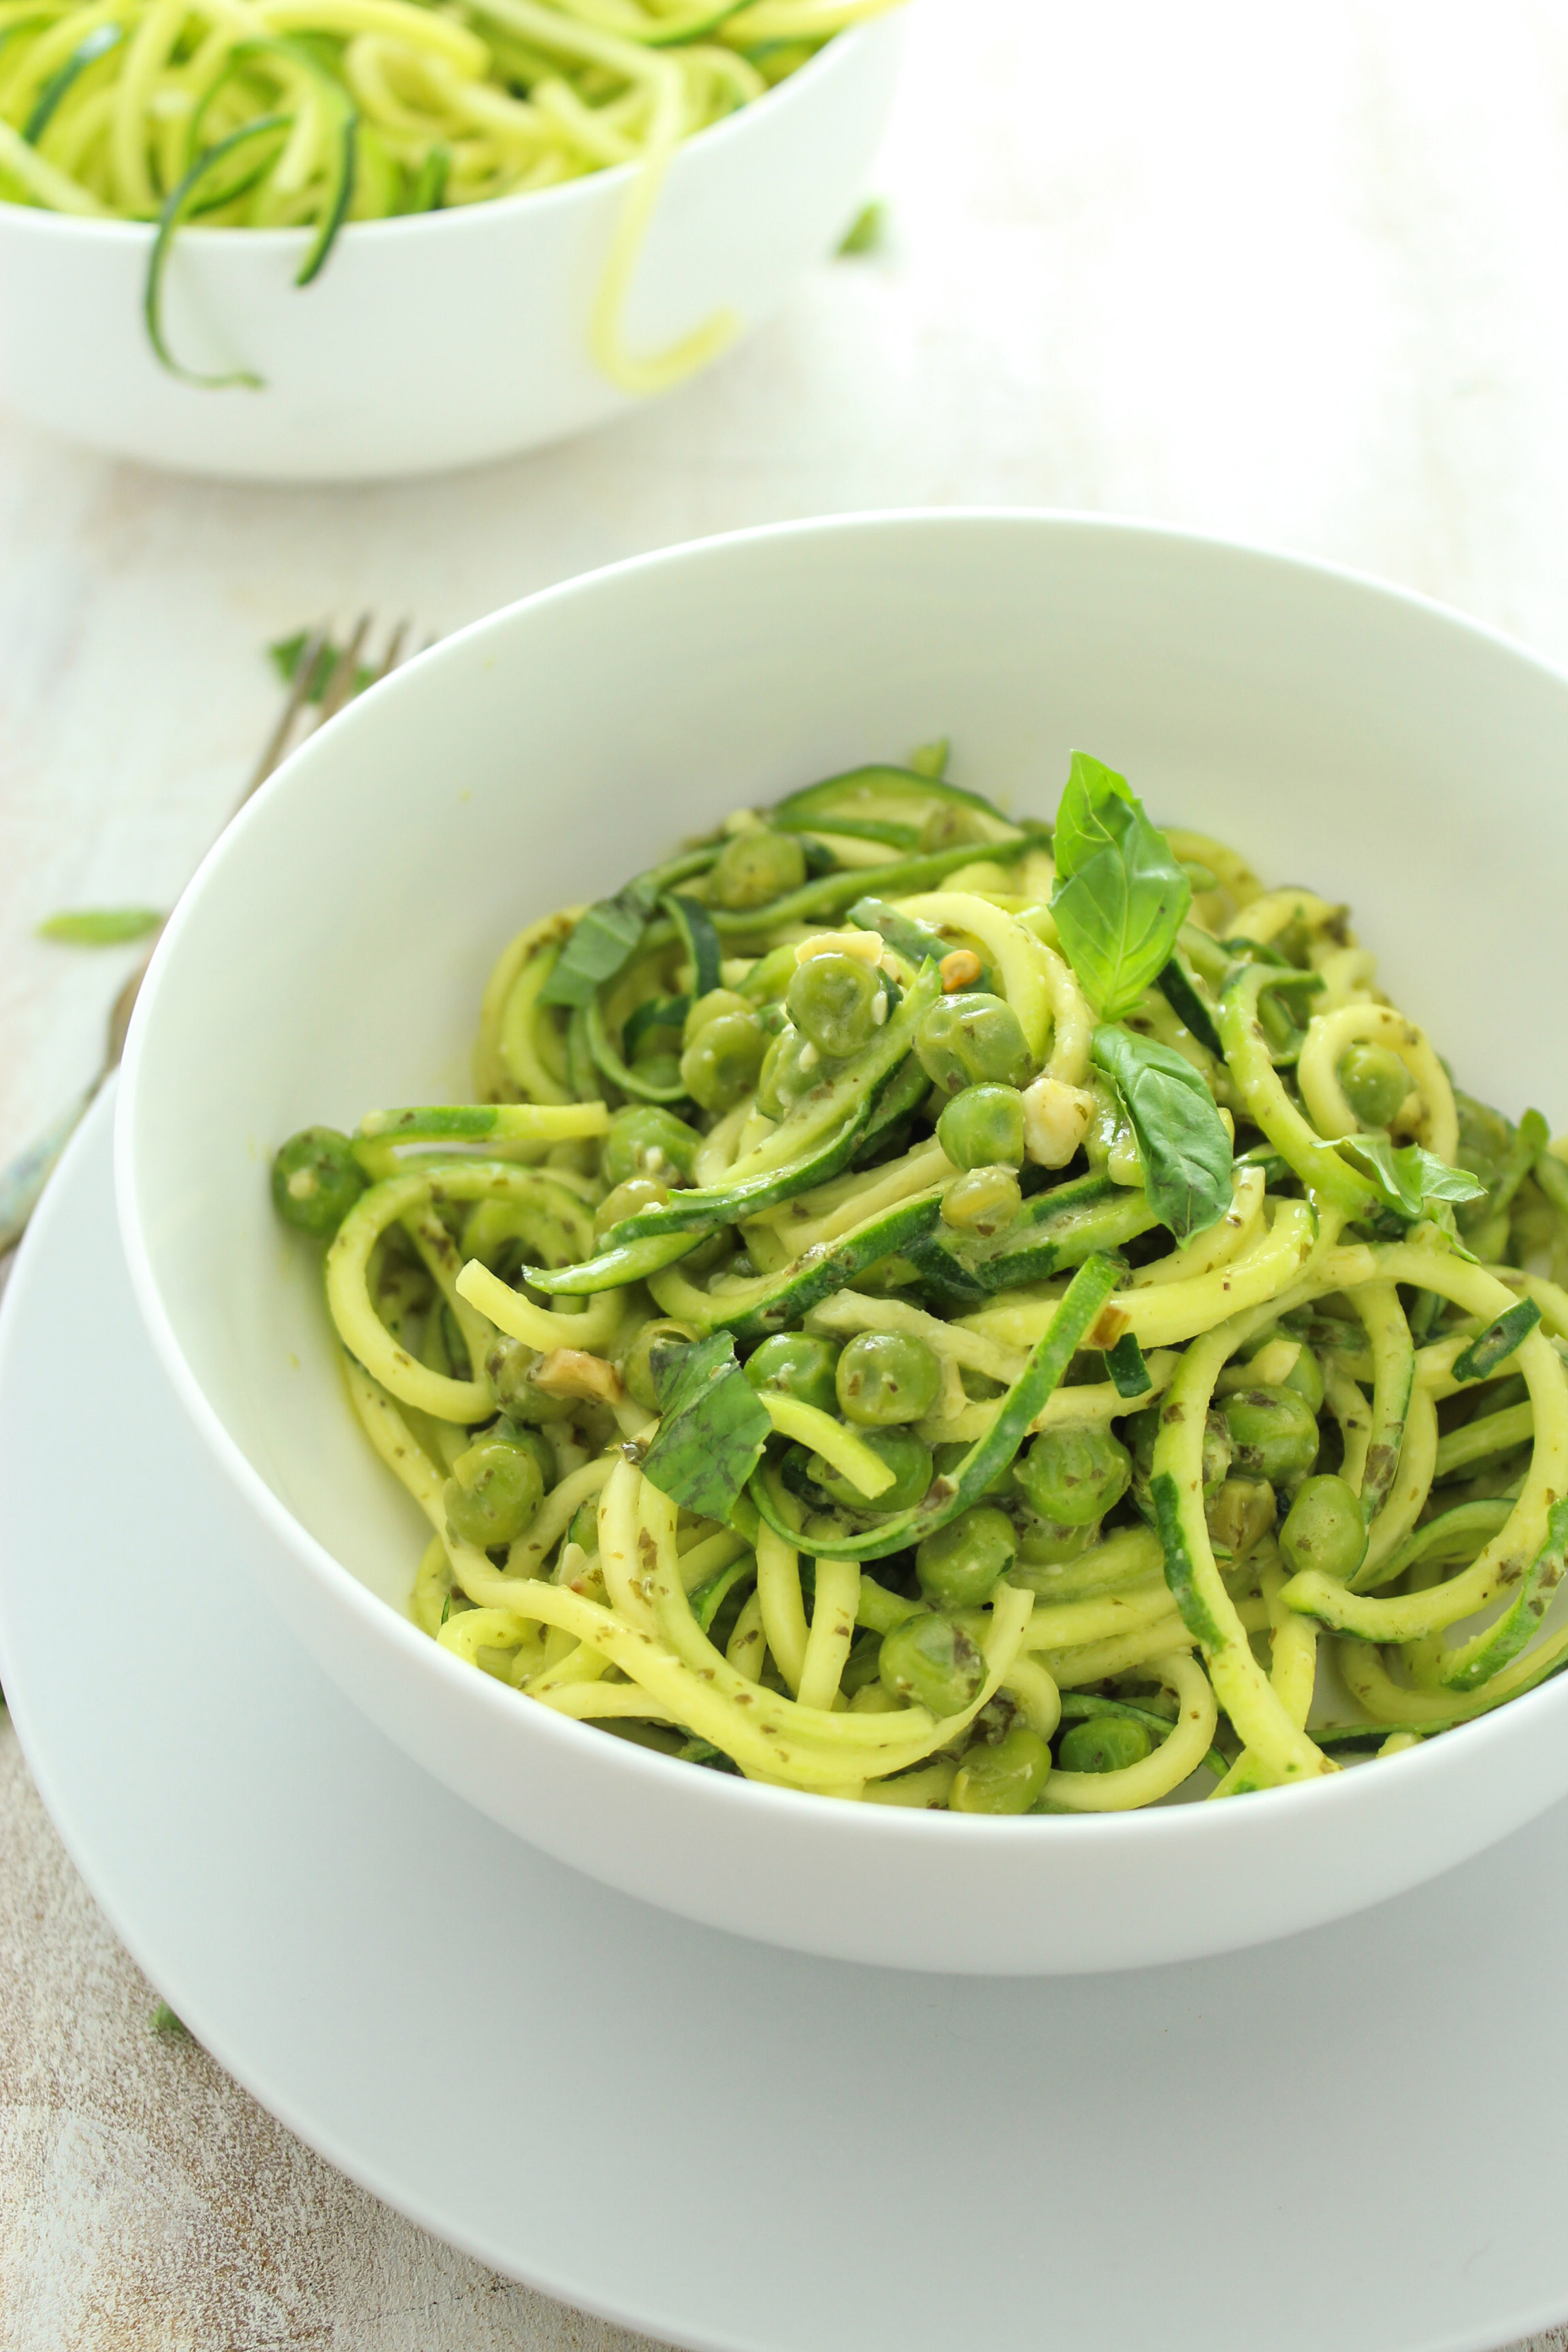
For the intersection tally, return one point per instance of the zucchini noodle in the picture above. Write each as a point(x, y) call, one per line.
point(315, 113)
point(781, 1396)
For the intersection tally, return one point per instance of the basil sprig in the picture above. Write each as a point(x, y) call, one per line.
point(1181, 1140)
point(1119, 897)
point(712, 1429)
point(1414, 1183)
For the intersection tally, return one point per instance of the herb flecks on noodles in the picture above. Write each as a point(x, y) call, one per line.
point(944, 1312)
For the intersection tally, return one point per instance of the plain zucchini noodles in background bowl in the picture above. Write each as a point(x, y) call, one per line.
point(474, 272)
point(332, 951)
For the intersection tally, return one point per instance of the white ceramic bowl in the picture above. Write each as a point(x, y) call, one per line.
point(331, 955)
point(439, 339)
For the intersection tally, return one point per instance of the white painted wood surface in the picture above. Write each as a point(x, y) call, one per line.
point(1300, 276)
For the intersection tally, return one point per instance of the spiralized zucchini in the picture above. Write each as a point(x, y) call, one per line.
point(288, 113)
point(935, 1311)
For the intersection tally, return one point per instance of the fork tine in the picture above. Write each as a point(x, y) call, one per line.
point(278, 741)
point(393, 653)
point(341, 684)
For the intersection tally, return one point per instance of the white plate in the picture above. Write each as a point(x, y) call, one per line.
point(1352, 2140)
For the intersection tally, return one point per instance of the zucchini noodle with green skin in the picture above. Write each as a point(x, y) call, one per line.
point(932, 1310)
point(290, 113)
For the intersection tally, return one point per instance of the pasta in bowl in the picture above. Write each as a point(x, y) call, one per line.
point(726, 1294)
point(891, 1401)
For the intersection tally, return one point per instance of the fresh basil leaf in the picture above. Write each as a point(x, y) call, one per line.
point(1409, 1178)
point(1081, 828)
point(288, 652)
point(712, 1431)
point(1181, 1140)
point(1121, 898)
point(99, 926)
point(604, 939)
point(864, 234)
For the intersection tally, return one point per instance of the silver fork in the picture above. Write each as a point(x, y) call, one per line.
point(22, 1184)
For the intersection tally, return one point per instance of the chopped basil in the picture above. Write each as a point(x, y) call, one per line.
point(713, 1429)
point(604, 939)
point(99, 926)
point(1128, 1372)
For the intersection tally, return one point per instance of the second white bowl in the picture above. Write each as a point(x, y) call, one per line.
point(439, 339)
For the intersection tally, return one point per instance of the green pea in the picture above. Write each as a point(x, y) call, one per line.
point(1304, 1374)
point(511, 1364)
point(493, 1492)
point(637, 1192)
point(793, 1364)
point(711, 1007)
point(1273, 1433)
point(906, 1457)
point(959, 1565)
point(724, 1060)
point(753, 868)
point(1004, 1776)
point(833, 1001)
point(885, 1377)
point(1241, 1513)
point(658, 1069)
point(928, 1661)
point(1376, 1082)
point(645, 1140)
point(983, 1128)
point(638, 1366)
point(1047, 1543)
point(1074, 1475)
point(781, 1080)
point(970, 1039)
point(1104, 1743)
point(1325, 1529)
point(529, 1441)
point(316, 1180)
point(982, 1201)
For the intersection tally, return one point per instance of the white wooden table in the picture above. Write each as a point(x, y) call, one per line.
point(1298, 276)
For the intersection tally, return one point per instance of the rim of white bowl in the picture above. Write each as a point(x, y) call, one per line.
point(47, 222)
point(838, 1823)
